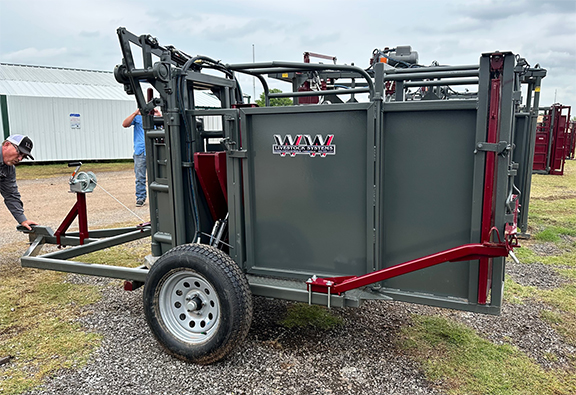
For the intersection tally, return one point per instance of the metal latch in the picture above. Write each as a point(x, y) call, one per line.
point(499, 148)
point(233, 153)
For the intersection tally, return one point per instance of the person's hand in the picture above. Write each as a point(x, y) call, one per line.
point(27, 224)
point(137, 112)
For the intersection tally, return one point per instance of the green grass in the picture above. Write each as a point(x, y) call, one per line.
point(553, 201)
point(459, 361)
point(31, 171)
point(563, 323)
point(569, 274)
point(302, 315)
point(516, 294)
point(465, 363)
point(38, 317)
point(554, 234)
point(38, 327)
point(127, 255)
point(561, 300)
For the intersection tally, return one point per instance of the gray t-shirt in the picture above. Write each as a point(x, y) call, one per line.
point(9, 190)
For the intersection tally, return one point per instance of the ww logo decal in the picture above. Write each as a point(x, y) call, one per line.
point(304, 144)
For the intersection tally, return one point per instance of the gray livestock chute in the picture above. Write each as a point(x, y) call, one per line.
point(409, 195)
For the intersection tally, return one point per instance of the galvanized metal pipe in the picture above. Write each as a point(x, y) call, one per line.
point(435, 74)
point(275, 66)
point(431, 69)
point(471, 81)
point(92, 269)
point(321, 93)
point(99, 245)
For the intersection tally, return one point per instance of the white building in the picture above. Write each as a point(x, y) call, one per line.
point(70, 114)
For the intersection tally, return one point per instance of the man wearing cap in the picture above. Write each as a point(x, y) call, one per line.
point(14, 149)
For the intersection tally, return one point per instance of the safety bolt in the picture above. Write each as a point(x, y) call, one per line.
point(329, 284)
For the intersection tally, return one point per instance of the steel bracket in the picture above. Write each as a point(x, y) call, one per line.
point(501, 148)
point(242, 154)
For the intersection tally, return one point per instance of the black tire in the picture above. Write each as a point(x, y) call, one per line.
point(197, 303)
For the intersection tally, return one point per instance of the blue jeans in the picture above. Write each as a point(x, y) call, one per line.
point(140, 172)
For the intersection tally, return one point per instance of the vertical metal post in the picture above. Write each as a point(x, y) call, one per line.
point(399, 91)
point(532, 105)
point(496, 67)
point(82, 216)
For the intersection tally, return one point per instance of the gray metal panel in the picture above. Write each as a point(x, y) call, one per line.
point(307, 215)
point(427, 194)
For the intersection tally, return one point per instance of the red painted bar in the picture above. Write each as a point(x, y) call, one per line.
point(496, 64)
point(463, 252)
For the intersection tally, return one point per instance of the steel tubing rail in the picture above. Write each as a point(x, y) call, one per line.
point(270, 67)
point(471, 81)
point(92, 269)
point(431, 69)
point(100, 244)
point(321, 93)
point(432, 74)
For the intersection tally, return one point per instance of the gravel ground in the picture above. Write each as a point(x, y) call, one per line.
point(358, 358)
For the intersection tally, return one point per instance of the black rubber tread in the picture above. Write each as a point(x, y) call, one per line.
point(233, 291)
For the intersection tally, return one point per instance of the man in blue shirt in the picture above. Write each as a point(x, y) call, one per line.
point(135, 119)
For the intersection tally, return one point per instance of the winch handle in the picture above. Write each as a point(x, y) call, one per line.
point(72, 164)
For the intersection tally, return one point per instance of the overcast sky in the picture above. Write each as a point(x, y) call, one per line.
point(82, 34)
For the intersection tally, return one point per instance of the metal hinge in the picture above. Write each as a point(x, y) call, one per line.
point(500, 148)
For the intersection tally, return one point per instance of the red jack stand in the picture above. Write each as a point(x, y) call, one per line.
point(79, 209)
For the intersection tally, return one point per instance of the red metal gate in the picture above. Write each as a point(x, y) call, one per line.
point(552, 141)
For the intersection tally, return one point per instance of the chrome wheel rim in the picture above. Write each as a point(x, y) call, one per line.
point(189, 306)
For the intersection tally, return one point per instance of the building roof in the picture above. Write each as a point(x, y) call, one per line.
point(42, 81)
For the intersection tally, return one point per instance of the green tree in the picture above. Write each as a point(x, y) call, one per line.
point(276, 101)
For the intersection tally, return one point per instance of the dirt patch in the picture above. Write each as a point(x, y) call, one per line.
point(48, 201)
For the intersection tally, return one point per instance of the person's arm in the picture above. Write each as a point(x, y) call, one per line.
point(128, 121)
point(9, 191)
